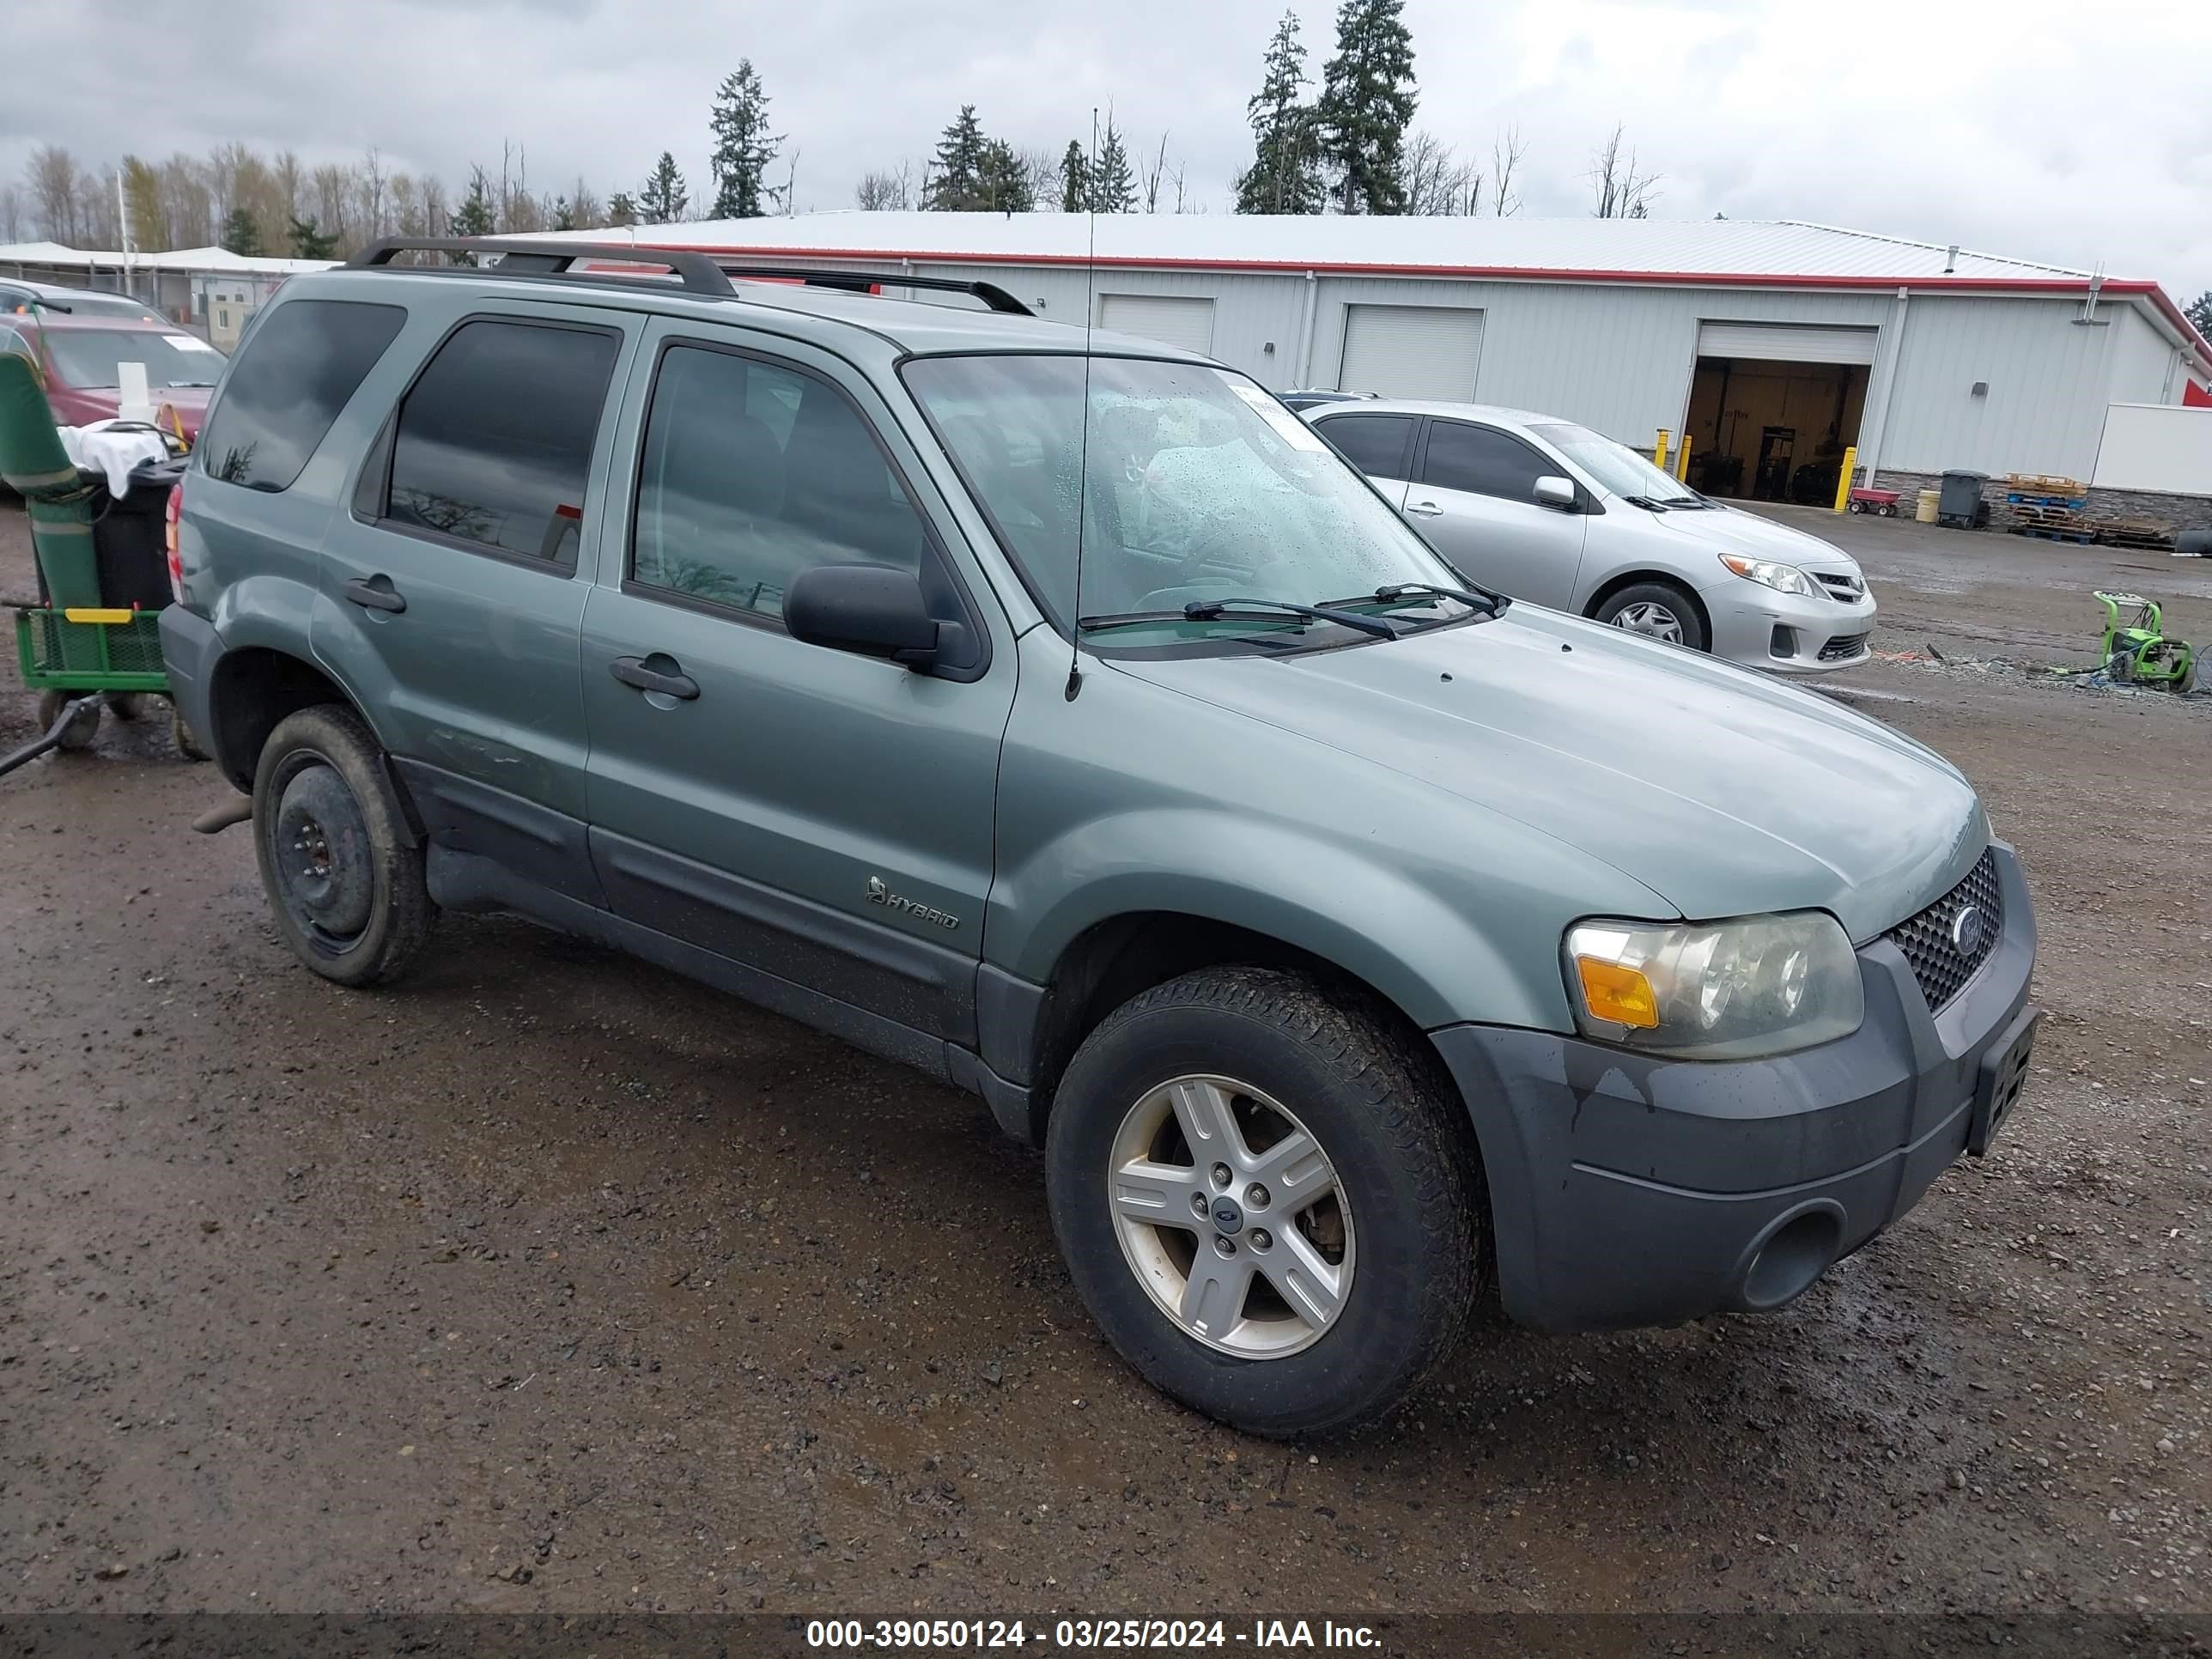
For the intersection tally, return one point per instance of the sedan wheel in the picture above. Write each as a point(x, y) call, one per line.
point(1230, 1215)
point(1652, 620)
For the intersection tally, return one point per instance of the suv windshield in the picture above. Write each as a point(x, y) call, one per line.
point(1200, 486)
point(1617, 468)
point(88, 357)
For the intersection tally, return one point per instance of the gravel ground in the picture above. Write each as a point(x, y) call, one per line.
point(548, 1281)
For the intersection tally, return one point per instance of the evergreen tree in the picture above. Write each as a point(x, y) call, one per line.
point(1112, 187)
point(242, 235)
point(308, 243)
point(1003, 182)
point(564, 215)
point(622, 211)
point(2199, 312)
point(743, 146)
point(1367, 103)
point(1284, 176)
point(474, 217)
point(663, 197)
point(955, 184)
point(1074, 179)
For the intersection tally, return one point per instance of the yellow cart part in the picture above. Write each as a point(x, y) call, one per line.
point(80, 613)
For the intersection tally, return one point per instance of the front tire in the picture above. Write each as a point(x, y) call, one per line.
point(1658, 610)
point(345, 884)
point(1334, 1268)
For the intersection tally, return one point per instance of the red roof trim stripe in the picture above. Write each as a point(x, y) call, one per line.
point(2150, 291)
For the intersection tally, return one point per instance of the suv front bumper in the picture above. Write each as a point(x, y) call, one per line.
point(1626, 1190)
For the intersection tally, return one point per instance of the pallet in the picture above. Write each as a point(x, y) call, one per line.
point(2082, 536)
point(2043, 484)
point(2150, 541)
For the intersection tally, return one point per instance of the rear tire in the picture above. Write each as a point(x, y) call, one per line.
point(181, 734)
point(345, 885)
point(1658, 610)
point(1345, 1264)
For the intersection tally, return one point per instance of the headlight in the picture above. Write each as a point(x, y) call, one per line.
point(1782, 578)
point(1728, 990)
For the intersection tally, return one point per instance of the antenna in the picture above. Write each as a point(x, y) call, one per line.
point(1082, 452)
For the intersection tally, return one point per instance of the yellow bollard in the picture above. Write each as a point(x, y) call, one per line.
point(1844, 477)
point(1682, 461)
point(1659, 452)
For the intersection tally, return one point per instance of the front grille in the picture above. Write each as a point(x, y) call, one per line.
point(1929, 940)
point(1841, 588)
point(1843, 646)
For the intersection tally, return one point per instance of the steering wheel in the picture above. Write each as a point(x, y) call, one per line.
point(1224, 538)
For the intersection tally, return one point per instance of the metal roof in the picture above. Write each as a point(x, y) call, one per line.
point(214, 261)
point(1718, 249)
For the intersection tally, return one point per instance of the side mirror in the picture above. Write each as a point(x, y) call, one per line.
point(866, 608)
point(1556, 492)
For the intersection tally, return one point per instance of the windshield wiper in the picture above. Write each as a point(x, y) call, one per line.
point(1648, 503)
point(1208, 610)
point(1485, 600)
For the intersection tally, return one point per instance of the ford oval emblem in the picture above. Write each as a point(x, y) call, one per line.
point(1967, 929)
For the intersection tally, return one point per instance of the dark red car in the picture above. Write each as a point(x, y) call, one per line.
point(78, 354)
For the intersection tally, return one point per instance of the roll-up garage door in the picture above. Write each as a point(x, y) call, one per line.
point(1776, 342)
point(1412, 351)
point(1171, 320)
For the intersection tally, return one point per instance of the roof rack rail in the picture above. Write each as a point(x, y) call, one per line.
point(863, 282)
point(520, 257)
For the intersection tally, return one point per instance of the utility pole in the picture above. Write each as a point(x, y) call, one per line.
point(123, 229)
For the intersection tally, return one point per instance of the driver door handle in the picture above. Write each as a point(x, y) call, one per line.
point(376, 593)
point(1423, 509)
point(632, 670)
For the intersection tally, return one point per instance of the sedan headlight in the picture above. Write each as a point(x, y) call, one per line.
point(1782, 578)
point(1726, 990)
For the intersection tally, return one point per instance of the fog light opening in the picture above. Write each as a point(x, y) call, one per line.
point(1798, 1252)
point(1783, 643)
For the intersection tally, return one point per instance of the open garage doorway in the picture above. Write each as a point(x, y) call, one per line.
point(1773, 408)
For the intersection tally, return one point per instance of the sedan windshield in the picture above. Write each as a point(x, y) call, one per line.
point(1198, 487)
point(88, 356)
point(1617, 468)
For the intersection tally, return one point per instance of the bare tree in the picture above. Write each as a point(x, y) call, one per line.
point(291, 181)
point(1506, 152)
point(583, 206)
point(1437, 182)
point(882, 191)
point(1617, 190)
point(375, 184)
point(788, 196)
point(50, 177)
point(13, 217)
point(187, 202)
point(332, 187)
point(437, 216)
point(1153, 174)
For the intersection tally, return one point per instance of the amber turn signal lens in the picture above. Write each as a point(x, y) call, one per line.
point(1620, 995)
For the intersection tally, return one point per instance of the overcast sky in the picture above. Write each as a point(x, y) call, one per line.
point(2044, 129)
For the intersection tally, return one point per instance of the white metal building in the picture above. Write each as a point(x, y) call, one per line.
point(1773, 346)
point(210, 287)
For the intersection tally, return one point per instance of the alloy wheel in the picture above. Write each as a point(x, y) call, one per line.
point(1653, 622)
point(1231, 1215)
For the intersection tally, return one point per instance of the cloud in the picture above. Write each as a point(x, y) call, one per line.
point(2030, 127)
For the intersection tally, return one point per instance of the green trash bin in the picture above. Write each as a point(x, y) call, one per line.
point(33, 464)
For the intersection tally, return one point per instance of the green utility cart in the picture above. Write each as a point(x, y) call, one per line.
point(93, 641)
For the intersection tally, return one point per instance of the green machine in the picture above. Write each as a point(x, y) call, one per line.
point(79, 649)
point(2136, 651)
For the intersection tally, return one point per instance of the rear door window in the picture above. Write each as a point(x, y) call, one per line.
point(1482, 461)
point(493, 444)
point(1376, 444)
point(295, 374)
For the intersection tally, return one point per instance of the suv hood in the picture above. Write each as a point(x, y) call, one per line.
point(1726, 793)
point(1731, 530)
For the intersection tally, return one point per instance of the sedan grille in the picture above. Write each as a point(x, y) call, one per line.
point(1838, 586)
point(1944, 952)
point(1843, 646)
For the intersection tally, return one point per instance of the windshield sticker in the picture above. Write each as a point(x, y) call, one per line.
point(189, 342)
point(1288, 427)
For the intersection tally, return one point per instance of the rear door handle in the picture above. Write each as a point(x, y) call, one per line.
point(632, 670)
point(1423, 509)
point(377, 593)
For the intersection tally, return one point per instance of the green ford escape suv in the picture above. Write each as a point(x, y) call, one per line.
point(1061, 717)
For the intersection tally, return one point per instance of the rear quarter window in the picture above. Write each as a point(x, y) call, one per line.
point(292, 377)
